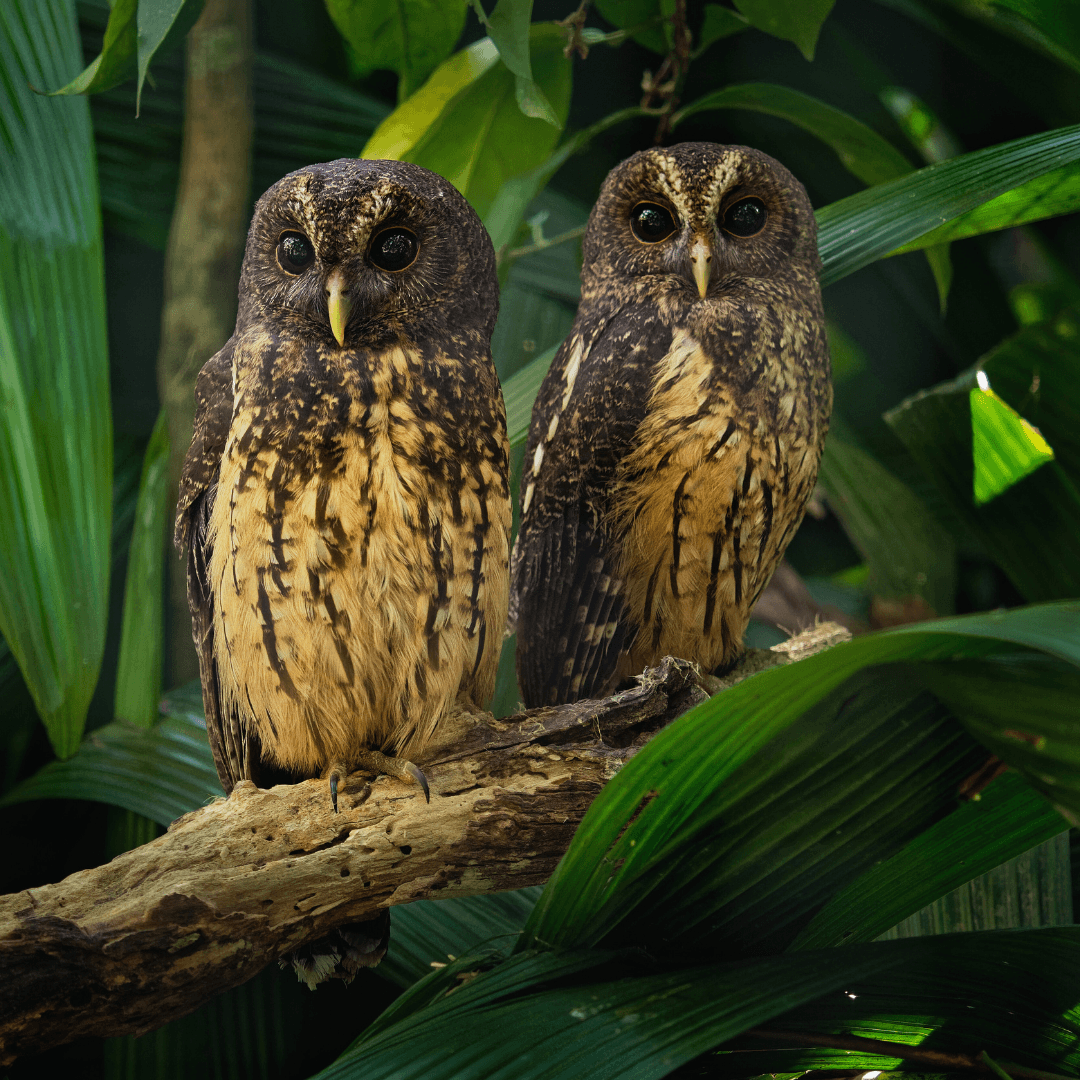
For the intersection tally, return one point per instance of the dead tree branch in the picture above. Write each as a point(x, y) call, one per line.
point(126, 947)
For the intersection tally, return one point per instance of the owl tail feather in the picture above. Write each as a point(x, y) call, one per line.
point(341, 953)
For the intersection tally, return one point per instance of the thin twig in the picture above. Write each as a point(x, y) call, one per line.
point(542, 245)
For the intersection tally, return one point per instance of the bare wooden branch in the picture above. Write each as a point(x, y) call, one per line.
point(125, 947)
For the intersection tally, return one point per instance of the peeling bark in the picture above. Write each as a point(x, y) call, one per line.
point(125, 947)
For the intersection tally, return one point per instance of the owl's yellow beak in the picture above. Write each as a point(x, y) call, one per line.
point(701, 257)
point(339, 303)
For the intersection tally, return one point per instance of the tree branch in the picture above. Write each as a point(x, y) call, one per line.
point(126, 947)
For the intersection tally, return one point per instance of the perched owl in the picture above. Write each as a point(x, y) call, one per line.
point(345, 499)
point(676, 439)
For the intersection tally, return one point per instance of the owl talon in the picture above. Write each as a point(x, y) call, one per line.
point(419, 777)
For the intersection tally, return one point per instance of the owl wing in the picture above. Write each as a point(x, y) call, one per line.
point(229, 741)
point(566, 599)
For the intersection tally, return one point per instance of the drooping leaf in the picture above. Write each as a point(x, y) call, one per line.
point(163, 24)
point(138, 672)
point(863, 152)
point(1007, 819)
point(509, 27)
point(56, 437)
point(910, 554)
point(160, 772)
point(718, 23)
point(411, 37)
point(1030, 529)
point(643, 17)
point(855, 231)
point(464, 122)
point(677, 787)
point(800, 23)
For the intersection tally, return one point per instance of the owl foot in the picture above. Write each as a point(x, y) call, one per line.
point(380, 764)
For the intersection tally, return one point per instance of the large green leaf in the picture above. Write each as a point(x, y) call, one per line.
point(676, 788)
point(643, 18)
point(138, 672)
point(556, 1015)
point(56, 437)
point(464, 122)
point(1031, 529)
point(411, 37)
point(160, 772)
point(871, 224)
point(1008, 817)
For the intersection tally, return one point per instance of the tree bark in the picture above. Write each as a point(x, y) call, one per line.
point(125, 947)
point(206, 243)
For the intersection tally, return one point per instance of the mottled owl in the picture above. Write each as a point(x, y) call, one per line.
point(676, 438)
point(345, 500)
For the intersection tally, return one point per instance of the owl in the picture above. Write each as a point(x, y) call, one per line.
point(676, 438)
point(345, 501)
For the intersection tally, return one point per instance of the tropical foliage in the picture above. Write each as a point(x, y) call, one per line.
point(735, 881)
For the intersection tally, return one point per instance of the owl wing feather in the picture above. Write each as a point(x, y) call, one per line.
point(231, 744)
point(567, 597)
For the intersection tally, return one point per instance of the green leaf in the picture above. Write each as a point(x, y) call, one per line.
point(1030, 530)
point(1054, 26)
point(909, 553)
point(855, 231)
point(800, 23)
point(1004, 446)
point(509, 26)
point(638, 1027)
point(1008, 819)
point(118, 60)
point(163, 24)
point(138, 672)
point(440, 930)
point(677, 786)
point(718, 23)
point(862, 151)
point(411, 37)
point(1050, 195)
point(465, 124)
point(519, 393)
point(56, 438)
point(161, 772)
point(643, 17)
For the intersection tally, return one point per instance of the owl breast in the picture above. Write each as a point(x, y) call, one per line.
point(360, 571)
point(720, 471)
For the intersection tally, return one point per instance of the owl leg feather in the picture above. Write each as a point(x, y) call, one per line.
point(379, 764)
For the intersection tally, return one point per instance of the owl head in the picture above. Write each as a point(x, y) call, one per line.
point(695, 218)
point(360, 253)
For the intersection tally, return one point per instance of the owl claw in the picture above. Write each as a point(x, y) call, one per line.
point(419, 777)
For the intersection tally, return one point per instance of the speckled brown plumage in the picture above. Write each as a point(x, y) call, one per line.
point(346, 505)
point(676, 439)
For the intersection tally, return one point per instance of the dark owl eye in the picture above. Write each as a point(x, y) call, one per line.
point(394, 249)
point(746, 218)
point(651, 223)
point(294, 252)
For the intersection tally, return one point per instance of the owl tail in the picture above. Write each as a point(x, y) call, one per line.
point(341, 953)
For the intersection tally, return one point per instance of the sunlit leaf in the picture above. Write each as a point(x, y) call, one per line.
point(1004, 446)
point(118, 59)
point(411, 37)
point(800, 23)
point(870, 224)
point(138, 672)
point(464, 122)
point(1007, 819)
point(1055, 193)
point(56, 438)
point(1030, 530)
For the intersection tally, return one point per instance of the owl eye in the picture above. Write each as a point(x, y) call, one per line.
point(294, 253)
point(394, 249)
point(651, 223)
point(746, 218)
